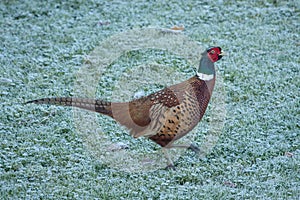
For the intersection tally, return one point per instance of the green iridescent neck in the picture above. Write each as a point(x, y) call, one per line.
point(206, 66)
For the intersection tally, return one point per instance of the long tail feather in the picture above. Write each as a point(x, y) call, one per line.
point(95, 105)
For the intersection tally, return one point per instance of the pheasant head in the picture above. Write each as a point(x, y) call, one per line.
point(206, 70)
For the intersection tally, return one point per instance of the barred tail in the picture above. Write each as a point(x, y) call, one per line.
point(95, 105)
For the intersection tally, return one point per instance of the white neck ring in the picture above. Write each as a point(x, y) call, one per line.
point(205, 77)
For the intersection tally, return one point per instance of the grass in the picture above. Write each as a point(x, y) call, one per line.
point(43, 154)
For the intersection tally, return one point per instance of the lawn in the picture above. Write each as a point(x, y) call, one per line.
point(250, 137)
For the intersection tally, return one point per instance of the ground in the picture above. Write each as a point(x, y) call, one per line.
point(44, 45)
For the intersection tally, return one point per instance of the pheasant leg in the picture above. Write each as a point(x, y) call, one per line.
point(192, 147)
point(169, 160)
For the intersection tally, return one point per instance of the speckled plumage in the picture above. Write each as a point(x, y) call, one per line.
point(182, 117)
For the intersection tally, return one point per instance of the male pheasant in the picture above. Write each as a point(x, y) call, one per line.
point(164, 116)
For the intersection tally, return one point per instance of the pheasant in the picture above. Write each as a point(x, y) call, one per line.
point(164, 116)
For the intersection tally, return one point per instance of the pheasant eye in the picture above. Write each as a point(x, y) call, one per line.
point(212, 52)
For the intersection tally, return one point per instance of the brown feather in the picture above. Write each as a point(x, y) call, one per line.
point(164, 116)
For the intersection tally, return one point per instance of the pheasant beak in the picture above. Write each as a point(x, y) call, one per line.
point(222, 53)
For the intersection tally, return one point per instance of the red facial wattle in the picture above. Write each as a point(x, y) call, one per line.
point(214, 54)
